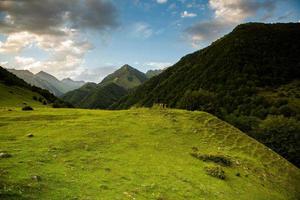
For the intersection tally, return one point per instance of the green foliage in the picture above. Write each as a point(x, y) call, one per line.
point(283, 135)
point(27, 108)
point(219, 159)
point(198, 100)
point(216, 171)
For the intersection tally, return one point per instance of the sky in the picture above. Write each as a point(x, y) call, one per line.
point(88, 39)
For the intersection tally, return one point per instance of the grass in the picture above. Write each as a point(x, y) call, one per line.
point(14, 96)
point(134, 154)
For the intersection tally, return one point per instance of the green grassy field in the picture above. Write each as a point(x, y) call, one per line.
point(134, 154)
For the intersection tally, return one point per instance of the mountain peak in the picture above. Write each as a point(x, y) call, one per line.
point(127, 67)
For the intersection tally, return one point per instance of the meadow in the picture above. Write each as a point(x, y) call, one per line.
point(135, 154)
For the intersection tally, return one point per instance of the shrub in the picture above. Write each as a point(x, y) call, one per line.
point(35, 98)
point(27, 108)
point(217, 172)
point(281, 134)
point(287, 111)
point(219, 159)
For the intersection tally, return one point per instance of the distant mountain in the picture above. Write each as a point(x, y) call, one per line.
point(71, 84)
point(152, 73)
point(47, 81)
point(109, 91)
point(16, 92)
point(126, 77)
point(250, 78)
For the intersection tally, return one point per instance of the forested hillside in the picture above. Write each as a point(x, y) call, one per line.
point(250, 78)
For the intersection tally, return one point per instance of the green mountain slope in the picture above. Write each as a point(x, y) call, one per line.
point(229, 79)
point(95, 96)
point(109, 91)
point(15, 92)
point(152, 73)
point(70, 84)
point(126, 77)
point(47, 81)
point(136, 154)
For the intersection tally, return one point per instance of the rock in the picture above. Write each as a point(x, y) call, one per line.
point(5, 155)
point(30, 135)
point(36, 178)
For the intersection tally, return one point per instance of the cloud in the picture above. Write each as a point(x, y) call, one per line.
point(157, 65)
point(142, 30)
point(227, 14)
point(49, 16)
point(161, 1)
point(94, 74)
point(186, 14)
point(56, 27)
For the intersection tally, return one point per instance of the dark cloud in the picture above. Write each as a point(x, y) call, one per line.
point(50, 16)
point(227, 14)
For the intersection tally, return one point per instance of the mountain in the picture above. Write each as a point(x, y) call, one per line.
point(47, 81)
point(93, 95)
point(71, 84)
point(15, 92)
point(152, 73)
point(126, 77)
point(109, 91)
point(250, 78)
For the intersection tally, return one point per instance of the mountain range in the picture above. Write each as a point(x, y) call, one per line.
point(16, 92)
point(108, 91)
point(46, 81)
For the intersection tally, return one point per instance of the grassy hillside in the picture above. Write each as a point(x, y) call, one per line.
point(229, 79)
point(136, 154)
point(14, 96)
point(15, 90)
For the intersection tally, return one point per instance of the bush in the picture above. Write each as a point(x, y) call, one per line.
point(281, 134)
point(219, 159)
point(287, 111)
point(35, 98)
point(27, 108)
point(217, 172)
point(198, 100)
point(62, 104)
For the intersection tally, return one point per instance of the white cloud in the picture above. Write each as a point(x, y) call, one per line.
point(15, 42)
point(158, 65)
point(186, 14)
point(66, 52)
point(142, 30)
point(161, 1)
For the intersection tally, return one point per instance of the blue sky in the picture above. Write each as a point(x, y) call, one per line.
point(88, 39)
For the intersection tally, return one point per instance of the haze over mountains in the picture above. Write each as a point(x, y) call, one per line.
point(47, 81)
